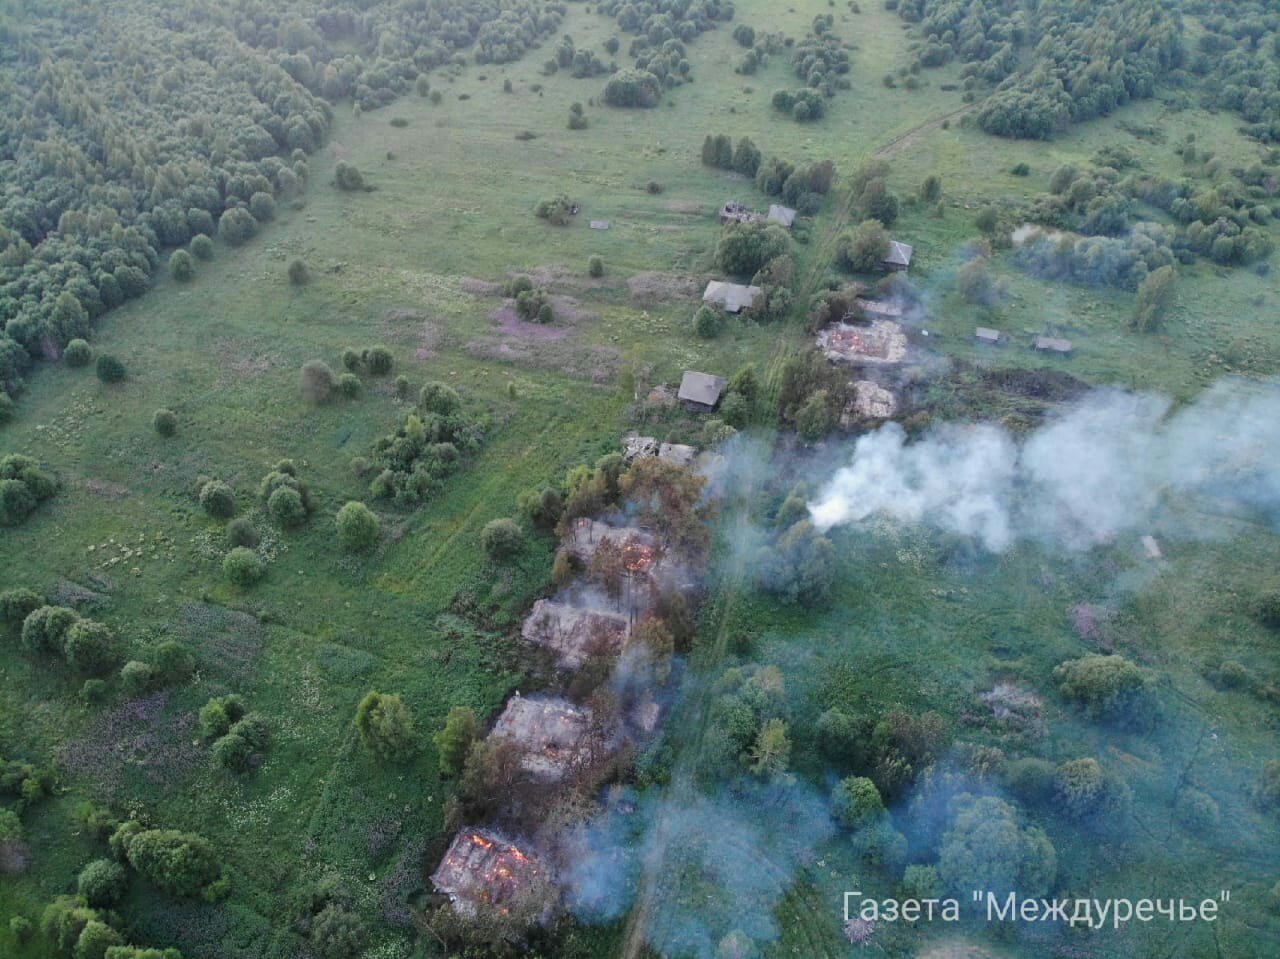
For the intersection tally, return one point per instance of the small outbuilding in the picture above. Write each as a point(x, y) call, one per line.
point(700, 392)
point(985, 334)
point(599, 224)
point(1052, 344)
point(677, 454)
point(898, 258)
point(782, 215)
point(730, 297)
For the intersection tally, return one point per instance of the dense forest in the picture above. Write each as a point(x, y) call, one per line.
point(129, 133)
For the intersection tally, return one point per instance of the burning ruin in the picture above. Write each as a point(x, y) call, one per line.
point(586, 535)
point(552, 734)
point(573, 634)
point(483, 870)
point(879, 343)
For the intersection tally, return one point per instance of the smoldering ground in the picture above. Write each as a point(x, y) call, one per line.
point(710, 865)
point(1115, 462)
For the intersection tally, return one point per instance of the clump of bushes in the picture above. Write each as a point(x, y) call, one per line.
point(1107, 687)
point(558, 210)
point(413, 461)
point(23, 487)
point(181, 864)
point(386, 727)
point(286, 497)
point(347, 177)
point(237, 735)
point(535, 306)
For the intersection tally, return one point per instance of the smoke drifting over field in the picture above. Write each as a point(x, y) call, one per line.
point(1108, 465)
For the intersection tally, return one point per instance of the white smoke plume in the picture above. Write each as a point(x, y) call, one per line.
point(1107, 465)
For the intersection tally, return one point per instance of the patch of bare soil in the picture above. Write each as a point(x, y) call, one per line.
point(655, 287)
point(684, 206)
point(236, 357)
point(511, 325)
point(599, 364)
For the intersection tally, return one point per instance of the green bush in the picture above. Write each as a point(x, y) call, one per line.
point(110, 369)
point(217, 716)
point(1030, 779)
point(91, 648)
point(77, 354)
point(402, 387)
point(1197, 810)
point(745, 247)
point(454, 741)
point(242, 567)
point(855, 802)
point(94, 691)
point(349, 385)
point(262, 206)
point(595, 267)
point(1269, 610)
point(286, 507)
point(201, 247)
point(708, 322)
point(377, 360)
point(501, 539)
point(173, 662)
point(165, 422)
point(181, 864)
point(386, 727)
point(337, 933)
point(1107, 686)
point(136, 678)
point(95, 939)
point(358, 527)
point(237, 226)
point(233, 752)
point(317, 381)
point(348, 177)
point(102, 883)
point(242, 532)
point(22, 929)
point(17, 604)
point(45, 629)
point(218, 500)
point(299, 273)
point(181, 267)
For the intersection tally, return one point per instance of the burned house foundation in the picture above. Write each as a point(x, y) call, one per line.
point(552, 734)
point(484, 870)
point(573, 634)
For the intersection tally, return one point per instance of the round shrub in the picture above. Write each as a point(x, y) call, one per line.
point(349, 385)
point(358, 527)
point(21, 928)
point(856, 802)
point(218, 500)
point(165, 422)
point(213, 719)
point(501, 538)
point(242, 532)
point(232, 752)
point(402, 387)
point(95, 939)
point(708, 322)
point(1030, 779)
point(77, 354)
point(181, 266)
point(136, 678)
point(177, 863)
point(337, 933)
point(91, 648)
point(19, 603)
point(237, 226)
point(242, 567)
point(44, 630)
point(595, 267)
point(351, 360)
point(262, 206)
point(317, 381)
point(201, 247)
point(110, 369)
point(299, 273)
point(93, 691)
point(173, 662)
point(286, 506)
point(377, 360)
point(102, 883)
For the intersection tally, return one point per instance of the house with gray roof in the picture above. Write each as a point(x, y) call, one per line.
point(730, 297)
point(700, 392)
point(899, 257)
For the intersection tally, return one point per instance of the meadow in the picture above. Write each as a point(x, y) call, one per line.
point(416, 263)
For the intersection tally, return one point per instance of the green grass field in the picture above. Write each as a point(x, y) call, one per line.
point(450, 210)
